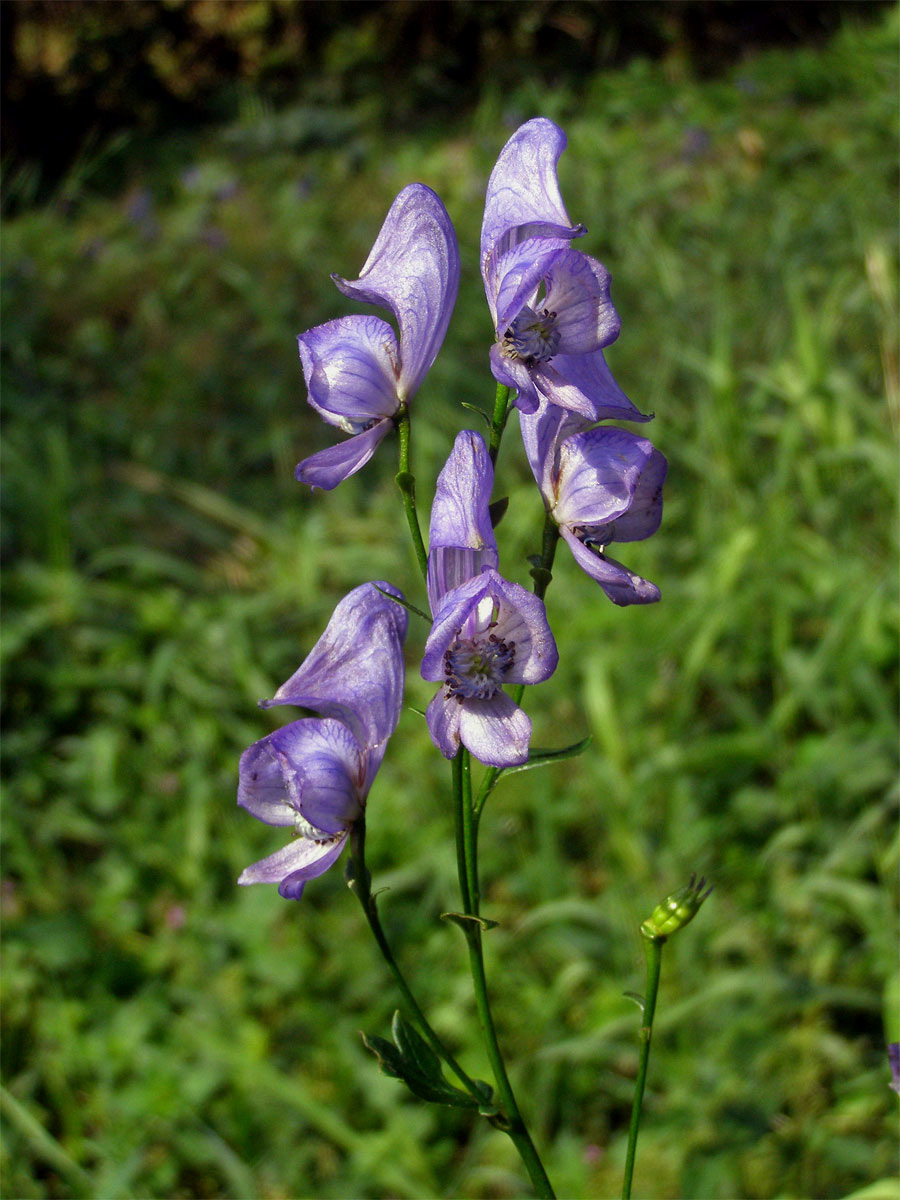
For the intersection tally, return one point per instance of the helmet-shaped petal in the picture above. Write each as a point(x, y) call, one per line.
point(412, 270)
point(355, 670)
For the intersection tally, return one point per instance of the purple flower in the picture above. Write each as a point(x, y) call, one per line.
point(600, 485)
point(461, 540)
point(487, 631)
point(313, 776)
point(550, 304)
point(357, 370)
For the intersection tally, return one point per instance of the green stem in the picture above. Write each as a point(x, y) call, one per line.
point(653, 951)
point(406, 481)
point(466, 826)
point(543, 573)
point(470, 834)
point(43, 1146)
point(462, 866)
point(498, 420)
point(360, 883)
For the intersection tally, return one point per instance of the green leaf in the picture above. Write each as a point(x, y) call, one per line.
point(465, 921)
point(475, 409)
point(412, 1060)
point(415, 1049)
point(543, 758)
point(389, 1059)
point(404, 603)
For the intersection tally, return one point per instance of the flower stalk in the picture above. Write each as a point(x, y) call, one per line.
point(653, 954)
point(668, 918)
point(360, 883)
point(406, 481)
point(467, 831)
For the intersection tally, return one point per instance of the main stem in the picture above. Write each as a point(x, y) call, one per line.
point(406, 481)
point(653, 951)
point(466, 830)
point(361, 885)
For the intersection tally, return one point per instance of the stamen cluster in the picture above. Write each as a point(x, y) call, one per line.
point(532, 337)
point(475, 667)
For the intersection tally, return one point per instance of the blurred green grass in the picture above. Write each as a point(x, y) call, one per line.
point(166, 1033)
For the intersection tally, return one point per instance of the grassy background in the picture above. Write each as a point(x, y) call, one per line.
point(168, 1034)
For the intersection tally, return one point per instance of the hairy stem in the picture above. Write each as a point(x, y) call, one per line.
point(653, 951)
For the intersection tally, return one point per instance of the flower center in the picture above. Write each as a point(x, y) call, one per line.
point(474, 667)
point(532, 336)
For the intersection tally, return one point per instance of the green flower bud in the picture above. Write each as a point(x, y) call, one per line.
point(675, 911)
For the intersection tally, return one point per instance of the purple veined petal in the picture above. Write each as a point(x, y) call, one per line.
point(355, 670)
point(599, 472)
point(620, 585)
point(449, 566)
point(459, 512)
point(496, 731)
point(522, 618)
point(324, 770)
point(262, 789)
point(550, 384)
point(443, 722)
point(513, 373)
point(327, 468)
point(461, 540)
point(372, 760)
point(578, 292)
point(523, 197)
point(645, 512)
point(584, 383)
point(516, 277)
point(542, 433)
point(302, 859)
point(412, 270)
point(351, 367)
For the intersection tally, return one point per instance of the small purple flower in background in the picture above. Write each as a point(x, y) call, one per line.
point(313, 776)
point(357, 371)
point(894, 1063)
point(550, 304)
point(487, 631)
point(600, 485)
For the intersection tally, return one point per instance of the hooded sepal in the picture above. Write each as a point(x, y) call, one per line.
point(355, 670)
point(412, 270)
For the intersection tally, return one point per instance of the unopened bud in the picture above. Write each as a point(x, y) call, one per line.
point(676, 910)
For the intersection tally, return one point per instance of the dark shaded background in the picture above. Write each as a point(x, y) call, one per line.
point(78, 73)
